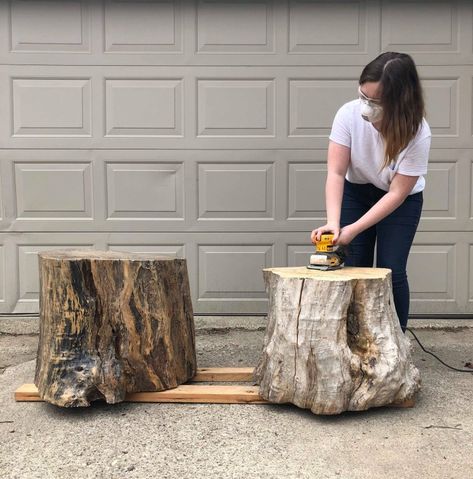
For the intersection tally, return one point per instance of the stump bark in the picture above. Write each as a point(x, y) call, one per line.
point(333, 341)
point(112, 323)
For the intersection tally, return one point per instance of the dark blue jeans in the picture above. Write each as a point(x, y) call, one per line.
point(393, 236)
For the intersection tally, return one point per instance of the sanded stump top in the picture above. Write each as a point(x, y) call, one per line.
point(347, 273)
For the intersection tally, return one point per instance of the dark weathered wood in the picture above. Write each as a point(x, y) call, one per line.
point(112, 323)
point(333, 341)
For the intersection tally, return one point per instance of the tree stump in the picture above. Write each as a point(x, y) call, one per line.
point(112, 323)
point(333, 341)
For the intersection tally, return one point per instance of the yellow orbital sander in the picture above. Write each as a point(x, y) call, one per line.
point(327, 255)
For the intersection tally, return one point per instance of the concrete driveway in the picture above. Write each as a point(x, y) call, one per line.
point(432, 440)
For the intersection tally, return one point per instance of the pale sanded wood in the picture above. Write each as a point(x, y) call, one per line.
point(200, 393)
point(27, 393)
point(333, 341)
point(343, 274)
point(223, 374)
point(112, 323)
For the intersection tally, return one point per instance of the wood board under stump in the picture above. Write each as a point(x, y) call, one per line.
point(194, 393)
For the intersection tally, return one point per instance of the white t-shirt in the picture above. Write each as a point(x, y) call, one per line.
point(367, 150)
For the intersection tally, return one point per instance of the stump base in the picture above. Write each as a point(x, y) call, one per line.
point(195, 393)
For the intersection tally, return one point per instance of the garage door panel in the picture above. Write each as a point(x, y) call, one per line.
point(51, 107)
point(199, 129)
point(442, 103)
point(144, 107)
point(449, 100)
point(319, 26)
point(306, 190)
point(50, 26)
point(431, 271)
point(4, 278)
point(235, 107)
point(419, 26)
point(210, 33)
point(446, 206)
point(233, 190)
point(48, 191)
point(225, 108)
point(6, 187)
point(200, 190)
point(235, 27)
point(143, 27)
point(145, 190)
point(438, 272)
point(440, 195)
point(232, 271)
point(471, 191)
point(313, 104)
point(470, 276)
point(299, 254)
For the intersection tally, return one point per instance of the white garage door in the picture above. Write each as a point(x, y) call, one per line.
point(199, 129)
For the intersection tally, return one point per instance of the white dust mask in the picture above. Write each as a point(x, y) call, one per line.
point(370, 111)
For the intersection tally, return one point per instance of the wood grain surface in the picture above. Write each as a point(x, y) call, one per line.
point(333, 342)
point(112, 323)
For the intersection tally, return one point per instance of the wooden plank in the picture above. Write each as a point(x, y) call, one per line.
point(200, 393)
point(406, 403)
point(186, 393)
point(27, 392)
point(223, 374)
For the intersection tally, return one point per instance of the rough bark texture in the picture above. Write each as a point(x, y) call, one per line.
point(112, 323)
point(333, 341)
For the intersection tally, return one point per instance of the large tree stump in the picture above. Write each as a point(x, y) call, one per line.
point(333, 341)
point(112, 323)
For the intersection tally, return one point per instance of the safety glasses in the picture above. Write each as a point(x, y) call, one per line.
point(367, 99)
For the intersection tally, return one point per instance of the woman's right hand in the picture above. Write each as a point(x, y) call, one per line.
point(327, 228)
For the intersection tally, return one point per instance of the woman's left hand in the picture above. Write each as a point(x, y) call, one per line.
point(347, 233)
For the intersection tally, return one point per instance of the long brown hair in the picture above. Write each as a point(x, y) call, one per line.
point(401, 98)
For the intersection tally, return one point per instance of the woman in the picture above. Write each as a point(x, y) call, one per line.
point(377, 156)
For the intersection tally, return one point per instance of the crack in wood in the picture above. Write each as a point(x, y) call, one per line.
point(299, 307)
